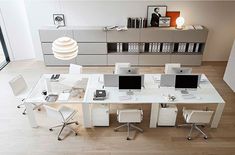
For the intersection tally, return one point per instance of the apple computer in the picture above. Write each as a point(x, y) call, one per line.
point(128, 70)
point(130, 83)
point(182, 70)
point(186, 82)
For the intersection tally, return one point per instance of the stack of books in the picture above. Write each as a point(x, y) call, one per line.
point(137, 22)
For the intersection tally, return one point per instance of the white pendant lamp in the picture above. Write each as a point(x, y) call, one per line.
point(65, 48)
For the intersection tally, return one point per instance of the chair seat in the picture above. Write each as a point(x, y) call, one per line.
point(67, 112)
point(129, 116)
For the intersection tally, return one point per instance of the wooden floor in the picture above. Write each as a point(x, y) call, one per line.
point(18, 138)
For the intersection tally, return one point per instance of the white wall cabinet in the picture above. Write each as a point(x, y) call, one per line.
point(136, 46)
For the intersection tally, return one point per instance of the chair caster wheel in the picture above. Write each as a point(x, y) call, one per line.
point(51, 129)
point(76, 134)
point(59, 139)
point(24, 113)
point(128, 138)
point(115, 130)
point(39, 109)
point(76, 123)
point(18, 106)
point(189, 138)
point(205, 137)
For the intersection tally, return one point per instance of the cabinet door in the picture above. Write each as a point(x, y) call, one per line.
point(156, 35)
point(47, 48)
point(133, 59)
point(190, 36)
point(51, 35)
point(92, 59)
point(96, 35)
point(131, 35)
point(190, 60)
point(100, 115)
point(92, 48)
point(154, 60)
point(50, 60)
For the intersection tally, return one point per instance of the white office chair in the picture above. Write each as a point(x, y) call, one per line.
point(129, 116)
point(169, 66)
point(64, 115)
point(75, 69)
point(119, 65)
point(21, 91)
point(194, 118)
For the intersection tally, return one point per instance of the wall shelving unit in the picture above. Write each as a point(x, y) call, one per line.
point(143, 47)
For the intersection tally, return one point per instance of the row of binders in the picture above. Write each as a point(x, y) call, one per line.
point(159, 47)
point(156, 47)
point(138, 22)
point(188, 47)
point(128, 47)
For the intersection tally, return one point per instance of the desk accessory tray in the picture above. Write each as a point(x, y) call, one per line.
point(51, 98)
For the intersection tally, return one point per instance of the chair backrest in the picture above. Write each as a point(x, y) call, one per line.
point(119, 65)
point(169, 66)
point(199, 116)
point(130, 116)
point(18, 85)
point(53, 113)
point(75, 69)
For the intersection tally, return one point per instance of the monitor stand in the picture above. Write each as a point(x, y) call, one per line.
point(130, 92)
point(185, 92)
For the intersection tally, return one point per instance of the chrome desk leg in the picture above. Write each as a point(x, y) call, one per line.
point(86, 115)
point(217, 116)
point(31, 115)
point(154, 115)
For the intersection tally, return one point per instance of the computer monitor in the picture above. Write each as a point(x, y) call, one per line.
point(130, 83)
point(128, 70)
point(186, 82)
point(182, 70)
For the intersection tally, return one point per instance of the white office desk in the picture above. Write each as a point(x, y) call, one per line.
point(151, 94)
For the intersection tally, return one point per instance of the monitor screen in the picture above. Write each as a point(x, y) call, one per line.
point(186, 81)
point(130, 82)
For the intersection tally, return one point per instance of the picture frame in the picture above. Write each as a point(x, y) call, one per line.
point(154, 12)
point(164, 21)
point(59, 20)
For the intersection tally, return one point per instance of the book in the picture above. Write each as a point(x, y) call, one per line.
point(197, 47)
point(150, 47)
point(118, 50)
point(128, 22)
point(120, 47)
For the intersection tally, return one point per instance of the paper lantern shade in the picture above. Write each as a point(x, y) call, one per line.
point(65, 48)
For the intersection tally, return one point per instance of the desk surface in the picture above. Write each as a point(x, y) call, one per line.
point(150, 94)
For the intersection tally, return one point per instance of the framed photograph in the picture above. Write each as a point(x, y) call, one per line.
point(59, 20)
point(154, 13)
point(164, 21)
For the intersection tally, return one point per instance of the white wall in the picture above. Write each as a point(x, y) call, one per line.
point(218, 17)
point(16, 29)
